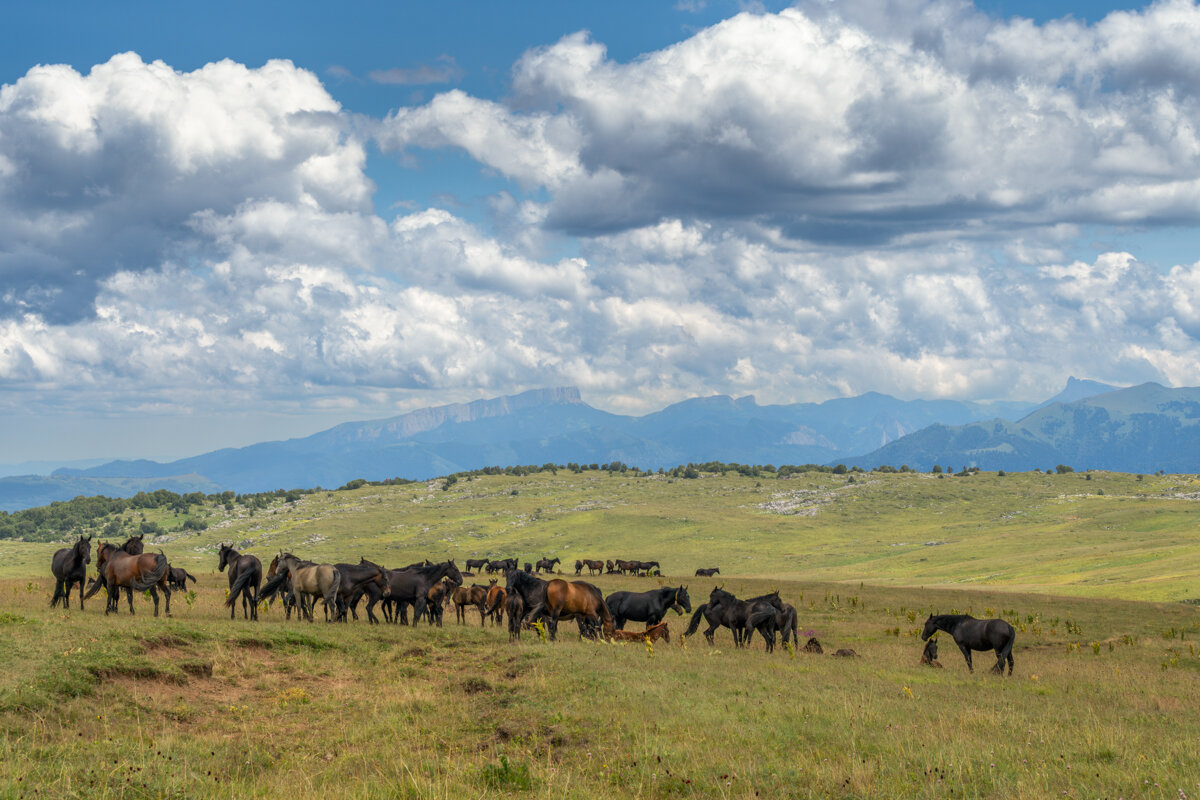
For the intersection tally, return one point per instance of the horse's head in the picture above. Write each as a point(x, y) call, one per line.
point(930, 629)
point(682, 600)
point(83, 549)
point(223, 557)
point(452, 571)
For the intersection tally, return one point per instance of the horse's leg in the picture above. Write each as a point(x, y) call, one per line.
point(966, 651)
point(167, 595)
point(154, 595)
point(482, 614)
point(999, 668)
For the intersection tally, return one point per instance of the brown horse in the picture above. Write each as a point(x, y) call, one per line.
point(135, 573)
point(652, 633)
point(574, 600)
point(465, 596)
point(494, 604)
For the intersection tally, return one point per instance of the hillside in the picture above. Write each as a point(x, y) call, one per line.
point(1099, 535)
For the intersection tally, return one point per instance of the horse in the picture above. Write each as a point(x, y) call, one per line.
point(412, 585)
point(435, 601)
point(466, 596)
point(708, 573)
point(929, 656)
point(501, 564)
point(365, 577)
point(546, 565)
point(178, 577)
point(652, 634)
point(311, 582)
point(278, 583)
point(514, 608)
point(69, 566)
point(975, 634)
point(578, 568)
point(723, 609)
point(770, 620)
point(648, 607)
point(648, 568)
point(133, 545)
point(476, 563)
point(558, 599)
point(595, 567)
point(494, 604)
point(611, 567)
point(135, 573)
point(245, 575)
point(625, 567)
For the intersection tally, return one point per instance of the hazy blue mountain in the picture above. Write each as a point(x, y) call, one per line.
point(27, 491)
point(1140, 429)
point(546, 425)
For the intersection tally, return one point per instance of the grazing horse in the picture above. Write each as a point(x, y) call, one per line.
point(558, 599)
point(178, 577)
point(412, 585)
point(723, 609)
point(311, 582)
point(611, 567)
point(245, 575)
point(708, 573)
point(119, 569)
point(648, 607)
point(546, 565)
point(69, 566)
point(975, 634)
point(466, 596)
point(652, 634)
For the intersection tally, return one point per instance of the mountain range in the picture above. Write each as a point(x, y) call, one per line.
point(1088, 424)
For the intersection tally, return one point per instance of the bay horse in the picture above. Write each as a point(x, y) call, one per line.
point(311, 582)
point(245, 576)
point(139, 573)
point(466, 596)
point(595, 567)
point(708, 573)
point(975, 634)
point(558, 599)
point(69, 566)
point(648, 607)
point(494, 604)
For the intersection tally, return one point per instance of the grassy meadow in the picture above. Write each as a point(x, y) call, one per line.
point(1094, 573)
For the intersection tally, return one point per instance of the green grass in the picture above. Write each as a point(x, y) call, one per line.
point(1101, 705)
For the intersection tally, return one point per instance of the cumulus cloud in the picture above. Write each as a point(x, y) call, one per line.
point(866, 121)
point(104, 172)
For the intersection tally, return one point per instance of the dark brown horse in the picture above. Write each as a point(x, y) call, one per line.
point(133, 545)
point(69, 566)
point(466, 596)
point(494, 604)
point(708, 573)
point(245, 576)
point(594, 566)
point(178, 577)
point(119, 569)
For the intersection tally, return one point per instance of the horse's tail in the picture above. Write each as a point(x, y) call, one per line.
point(271, 587)
point(695, 623)
point(187, 575)
point(335, 589)
point(1006, 653)
point(96, 586)
point(153, 576)
point(238, 586)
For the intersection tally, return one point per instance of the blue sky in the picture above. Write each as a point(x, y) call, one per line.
point(234, 222)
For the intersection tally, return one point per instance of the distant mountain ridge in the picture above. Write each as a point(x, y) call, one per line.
point(1142, 428)
point(545, 425)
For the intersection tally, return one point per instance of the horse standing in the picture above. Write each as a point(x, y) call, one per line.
point(412, 585)
point(139, 573)
point(975, 634)
point(245, 576)
point(723, 609)
point(648, 607)
point(311, 582)
point(546, 565)
point(558, 599)
point(69, 566)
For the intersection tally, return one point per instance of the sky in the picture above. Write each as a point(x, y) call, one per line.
point(227, 223)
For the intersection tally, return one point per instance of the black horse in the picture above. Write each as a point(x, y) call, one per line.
point(413, 585)
point(975, 634)
point(708, 573)
point(69, 566)
point(476, 564)
point(245, 576)
point(546, 565)
point(133, 545)
point(177, 578)
point(725, 610)
point(769, 621)
point(363, 578)
point(648, 607)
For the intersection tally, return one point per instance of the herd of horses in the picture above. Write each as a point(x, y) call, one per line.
point(527, 600)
